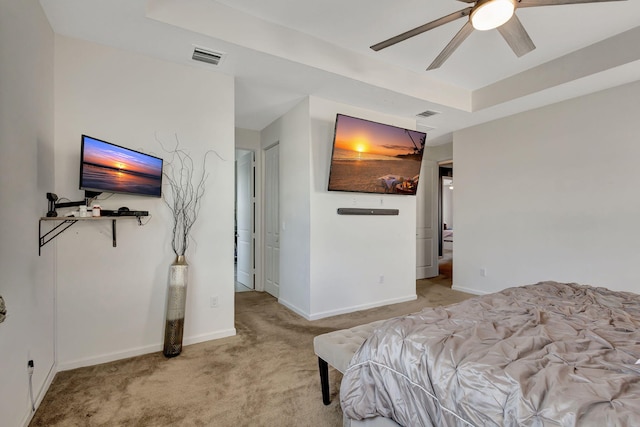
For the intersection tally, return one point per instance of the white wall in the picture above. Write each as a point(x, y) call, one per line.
point(26, 174)
point(551, 194)
point(111, 301)
point(438, 153)
point(291, 131)
point(327, 260)
point(247, 139)
point(349, 254)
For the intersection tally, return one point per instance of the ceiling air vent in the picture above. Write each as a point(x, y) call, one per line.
point(427, 113)
point(208, 56)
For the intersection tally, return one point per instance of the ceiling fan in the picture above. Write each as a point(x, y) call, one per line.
point(484, 15)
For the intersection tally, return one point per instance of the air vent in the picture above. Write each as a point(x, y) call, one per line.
point(427, 113)
point(208, 56)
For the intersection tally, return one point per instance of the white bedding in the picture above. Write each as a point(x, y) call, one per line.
point(550, 354)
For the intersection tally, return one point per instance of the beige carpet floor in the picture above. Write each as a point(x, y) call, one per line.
point(266, 375)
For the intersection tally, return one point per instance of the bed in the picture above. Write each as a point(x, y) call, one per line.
point(549, 354)
point(447, 239)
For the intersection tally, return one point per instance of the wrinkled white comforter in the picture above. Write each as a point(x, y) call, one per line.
point(549, 354)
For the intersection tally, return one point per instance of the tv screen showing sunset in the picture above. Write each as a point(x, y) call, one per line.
point(111, 168)
point(372, 157)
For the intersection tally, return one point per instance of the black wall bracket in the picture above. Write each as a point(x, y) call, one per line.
point(66, 222)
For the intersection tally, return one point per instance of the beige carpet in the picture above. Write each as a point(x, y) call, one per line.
point(445, 263)
point(267, 375)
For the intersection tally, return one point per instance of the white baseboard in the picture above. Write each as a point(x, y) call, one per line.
point(108, 357)
point(344, 310)
point(469, 290)
point(208, 337)
point(293, 308)
point(139, 351)
point(351, 309)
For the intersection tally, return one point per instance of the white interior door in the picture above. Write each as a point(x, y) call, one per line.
point(272, 222)
point(427, 221)
point(245, 232)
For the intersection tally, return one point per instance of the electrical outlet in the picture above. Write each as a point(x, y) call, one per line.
point(213, 301)
point(483, 272)
point(381, 279)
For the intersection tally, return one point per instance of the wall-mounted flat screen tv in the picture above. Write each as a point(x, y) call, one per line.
point(370, 157)
point(106, 167)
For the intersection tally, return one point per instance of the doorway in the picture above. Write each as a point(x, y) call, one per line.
point(272, 220)
point(427, 234)
point(245, 230)
point(445, 258)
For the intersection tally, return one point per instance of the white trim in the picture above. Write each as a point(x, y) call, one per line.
point(294, 309)
point(469, 290)
point(139, 351)
point(351, 309)
point(209, 337)
point(345, 310)
point(109, 357)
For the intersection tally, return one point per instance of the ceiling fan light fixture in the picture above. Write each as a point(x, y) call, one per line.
point(490, 14)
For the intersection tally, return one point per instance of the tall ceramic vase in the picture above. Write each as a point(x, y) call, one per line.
point(176, 299)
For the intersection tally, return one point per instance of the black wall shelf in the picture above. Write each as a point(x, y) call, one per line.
point(67, 221)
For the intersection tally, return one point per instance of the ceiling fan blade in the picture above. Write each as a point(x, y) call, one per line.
point(534, 3)
point(453, 45)
point(422, 28)
point(516, 36)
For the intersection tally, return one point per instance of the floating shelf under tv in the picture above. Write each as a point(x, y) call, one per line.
point(68, 221)
point(367, 211)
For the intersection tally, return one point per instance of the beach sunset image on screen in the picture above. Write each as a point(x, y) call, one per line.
point(372, 157)
point(111, 168)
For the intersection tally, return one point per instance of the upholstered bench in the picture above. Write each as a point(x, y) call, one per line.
point(336, 349)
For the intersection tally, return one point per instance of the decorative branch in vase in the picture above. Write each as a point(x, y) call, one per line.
point(184, 198)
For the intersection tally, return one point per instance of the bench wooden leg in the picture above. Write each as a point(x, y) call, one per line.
point(324, 381)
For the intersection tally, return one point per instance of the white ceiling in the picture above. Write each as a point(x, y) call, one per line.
point(281, 51)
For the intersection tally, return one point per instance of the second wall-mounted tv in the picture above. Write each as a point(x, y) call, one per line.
point(371, 157)
point(106, 167)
